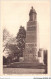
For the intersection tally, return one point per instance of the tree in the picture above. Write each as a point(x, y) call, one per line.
point(7, 46)
point(6, 38)
point(14, 46)
point(5, 34)
point(4, 60)
point(21, 41)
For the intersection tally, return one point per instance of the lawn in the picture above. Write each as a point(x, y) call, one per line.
point(23, 71)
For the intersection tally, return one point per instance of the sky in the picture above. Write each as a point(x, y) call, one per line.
point(15, 13)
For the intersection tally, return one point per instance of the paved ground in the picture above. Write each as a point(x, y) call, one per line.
point(22, 71)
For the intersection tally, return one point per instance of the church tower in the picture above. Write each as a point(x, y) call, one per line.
point(30, 53)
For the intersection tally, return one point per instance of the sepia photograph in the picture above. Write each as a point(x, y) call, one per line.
point(26, 36)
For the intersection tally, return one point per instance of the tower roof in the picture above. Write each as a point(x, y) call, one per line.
point(32, 10)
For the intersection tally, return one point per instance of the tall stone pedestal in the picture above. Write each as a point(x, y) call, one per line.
point(30, 54)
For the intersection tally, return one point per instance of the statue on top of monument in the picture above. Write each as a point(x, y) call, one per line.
point(32, 11)
point(32, 14)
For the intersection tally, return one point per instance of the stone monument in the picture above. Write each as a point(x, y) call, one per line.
point(30, 54)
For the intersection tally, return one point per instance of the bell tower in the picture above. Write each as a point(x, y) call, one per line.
point(30, 54)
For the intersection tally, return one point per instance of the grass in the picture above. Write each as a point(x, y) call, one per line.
point(23, 71)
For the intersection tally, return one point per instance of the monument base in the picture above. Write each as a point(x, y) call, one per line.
point(26, 65)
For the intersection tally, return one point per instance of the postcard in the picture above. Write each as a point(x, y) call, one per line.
point(25, 38)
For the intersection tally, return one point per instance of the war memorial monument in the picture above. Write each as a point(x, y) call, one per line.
point(31, 46)
point(31, 55)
